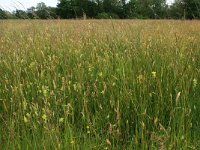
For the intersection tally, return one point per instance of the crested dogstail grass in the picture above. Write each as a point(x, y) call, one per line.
point(99, 84)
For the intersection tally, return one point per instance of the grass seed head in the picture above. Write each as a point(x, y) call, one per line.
point(25, 119)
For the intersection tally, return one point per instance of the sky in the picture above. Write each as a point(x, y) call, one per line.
point(11, 5)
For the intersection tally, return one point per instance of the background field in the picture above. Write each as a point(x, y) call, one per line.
point(99, 84)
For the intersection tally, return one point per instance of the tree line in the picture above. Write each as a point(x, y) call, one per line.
point(106, 9)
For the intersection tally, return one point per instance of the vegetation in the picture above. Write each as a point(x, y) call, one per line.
point(104, 9)
point(99, 84)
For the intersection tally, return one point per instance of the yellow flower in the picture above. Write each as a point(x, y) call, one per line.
point(153, 74)
point(44, 117)
point(32, 65)
point(61, 120)
point(45, 90)
point(100, 74)
point(72, 142)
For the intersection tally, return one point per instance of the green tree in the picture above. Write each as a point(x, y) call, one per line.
point(20, 14)
point(66, 9)
point(77, 8)
point(42, 11)
point(99, 6)
point(112, 6)
point(88, 7)
point(176, 11)
point(191, 8)
point(159, 8)
point(151, 8)
point(3, 14)
point(31, 13)
point(131, 9)
point(188, 9)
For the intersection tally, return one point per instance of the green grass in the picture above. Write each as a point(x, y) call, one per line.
point(99, 84)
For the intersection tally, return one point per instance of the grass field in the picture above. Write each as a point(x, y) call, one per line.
point(100, 84)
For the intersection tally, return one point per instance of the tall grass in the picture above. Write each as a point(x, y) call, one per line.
point(99, 84)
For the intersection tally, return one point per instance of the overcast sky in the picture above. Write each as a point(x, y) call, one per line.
point(24, 4)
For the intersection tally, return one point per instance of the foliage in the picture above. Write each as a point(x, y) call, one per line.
point(107, 16)
point(177, 11)
point(20, 14)
point(192, 8)
point(76, 8)
point(122, 9)
point(3, 14)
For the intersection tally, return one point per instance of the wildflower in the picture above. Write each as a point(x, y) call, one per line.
point(150, 94)
point(100, 74)
point(182, 137)
point(32, 65)
point(44, 117)
point(194, 82)
point(61, 120)
point(22, 61)
point(75, 87)
point(153, 74)
point(90, 69)
point(108, 116)
point(45, 90)
point(72, 142)
point(102, 92)
point(88, 129)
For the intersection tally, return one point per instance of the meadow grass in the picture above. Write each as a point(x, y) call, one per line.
point(99, 84)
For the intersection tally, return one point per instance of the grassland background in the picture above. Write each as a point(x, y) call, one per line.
point(99, 84)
